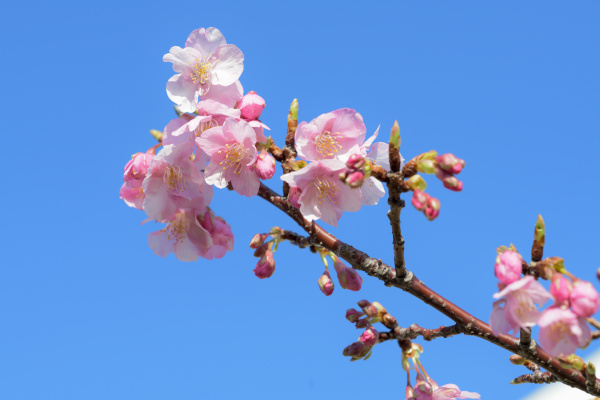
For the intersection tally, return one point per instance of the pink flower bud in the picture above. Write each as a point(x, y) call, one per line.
point(294, 196)
point(356, 162)
point(326, 284)
point(450, 163)
point(137, 167)
point(561, 288)
point(355, 179)
point(265, 266)
point(433, 208)
point(356, 350)
point(369, 337)
point(264, 167)
point(363, 303)
point(258, 240)
point(251, 106)
point(348, 277)
point(584, 299)
point(419, 199)
point(370, 311)
point(449, 180)
point(508, 267)
point(353, 315)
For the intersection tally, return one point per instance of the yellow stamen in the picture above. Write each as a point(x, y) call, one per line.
point(173, 178)
point(178, 228)
point(233, 157)
point(327, 143)
point(327, 189)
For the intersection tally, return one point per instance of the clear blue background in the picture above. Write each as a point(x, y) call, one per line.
point(89, 312)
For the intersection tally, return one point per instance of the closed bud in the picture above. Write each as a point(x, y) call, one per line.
point(265, 266)
point(380, 309)
point(363, 303)
point(264, 167)
point(353, 315)
point(450, 181)
point(389, 321)
point(356, 162)
point(591, 369)
point(251, 106)
point(356, 350)
point(294, 197)
point(369, 337)
point(561, 289)
point(584, 299)
point(370, 311)
point(417, 182)
point(362, 323)
point(419, 199)
point(571, 361)
point(326, 284)
point(258, 240)
point(348, 277)
point(450, 163)
point(355, 179)
point(517, 360)
point(433, 208)
point(426, 166)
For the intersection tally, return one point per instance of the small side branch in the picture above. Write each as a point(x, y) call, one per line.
point(536, 377)
point(396, 205)
point(414, 331)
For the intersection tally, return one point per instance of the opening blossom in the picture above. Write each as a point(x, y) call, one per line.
point(232, 153)
point(205, 63)
point(562, 331)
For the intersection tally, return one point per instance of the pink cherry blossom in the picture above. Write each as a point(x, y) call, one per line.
point(326, 284)
point(220, 233)
point(348, 277)
point(519, 310)
point(174, 182)
point(562, 331)
point(323, 196)
point(232, 153)
point(508, 267)
point(137, 167)
point(430, 391)
point(183, 236)
point(265, 165)
point(561, 289)
point(294, 197)
point(133, 194)
point(251, 106)
point(205, 62)
point(584, 299)
point(330, 135)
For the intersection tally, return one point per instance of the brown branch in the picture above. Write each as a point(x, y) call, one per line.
point(396, 205)
point(536, 377)
point(411, 284)
point(414, 331)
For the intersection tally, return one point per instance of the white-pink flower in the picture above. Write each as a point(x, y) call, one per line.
point(232, 153)
point(183, 235)
point(322, 194)
point(562, 331)
point(206, 61)
point(173, 182)
point(519, 311)
point(220, 232)
point(132, 194)
point(330, 135)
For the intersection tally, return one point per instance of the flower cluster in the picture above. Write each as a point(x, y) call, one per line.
point(325, 144)
point(563, 327)
point(216, 140)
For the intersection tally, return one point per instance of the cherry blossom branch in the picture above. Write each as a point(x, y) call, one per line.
point(411, 284)
point(414, 331)
point(396, 204)
point(536, 377)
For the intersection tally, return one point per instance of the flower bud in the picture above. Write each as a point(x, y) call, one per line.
point(363, 303)
point(353, 315)
point(348, 277)
point(508, 267)
point(517, 359)
point(571, 361)
point(419, 199)
point(426, 166)
point(450, 163)
point(560, 288)
point(294, 197)
point(370, 311)
point(362, 323)
point(433, 208)
point(449, 180)
point(264, 167)
point(584, 299)
point(356, 162)
point(137, 167)
point(389, 321)
point(265, 266)
point(251, 106)
point(326, 284)
point(258, 240)
point(417, 182)
point(369, 337)
point(355, 179)
point(356, 350)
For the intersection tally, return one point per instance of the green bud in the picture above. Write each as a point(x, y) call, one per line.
point(591, 369)
point(158, 135)
point(293, 110)
point(426, 166)
point(430, 155)
point(556, 263)
point(417, 182)
point(540, 230)
point(395, 135)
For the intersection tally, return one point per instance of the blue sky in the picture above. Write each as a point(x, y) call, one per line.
point(89, 312)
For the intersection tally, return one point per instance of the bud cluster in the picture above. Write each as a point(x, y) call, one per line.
point(264, 251)
point(358, 169)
